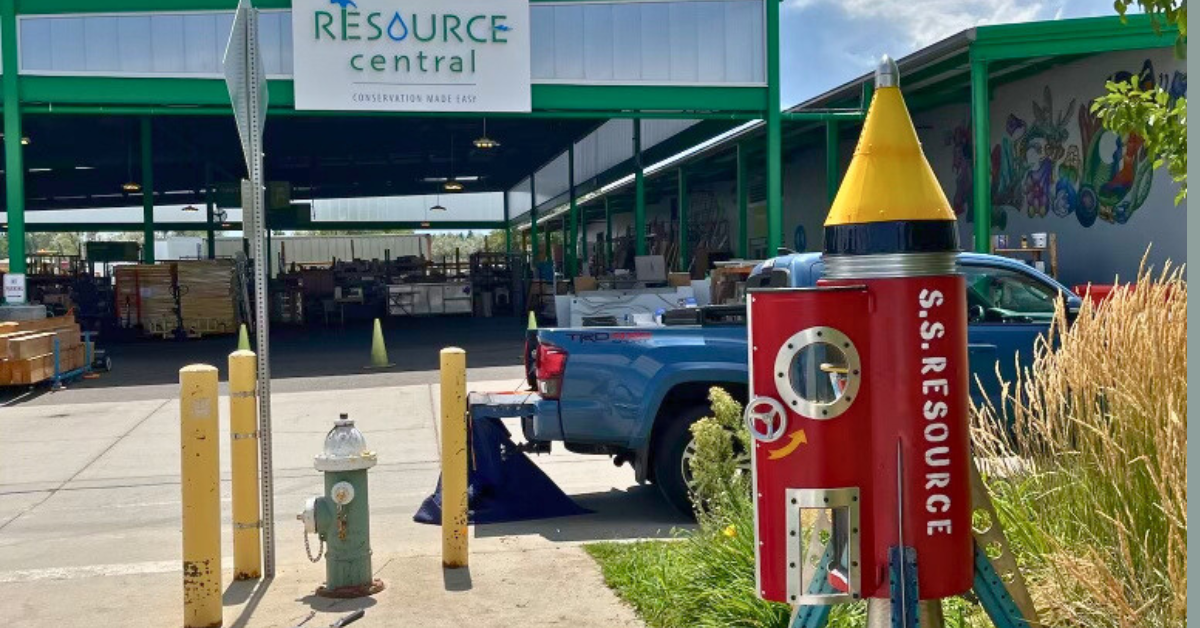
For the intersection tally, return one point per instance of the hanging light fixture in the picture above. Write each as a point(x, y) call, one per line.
point(437, 205)
point(483, 142)
point(130, 185)
point(452, 184)
point(190, 208)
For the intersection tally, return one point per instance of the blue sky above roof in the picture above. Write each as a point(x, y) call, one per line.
point(828, 42)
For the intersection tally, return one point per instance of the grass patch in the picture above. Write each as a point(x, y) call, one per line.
point(705, 579)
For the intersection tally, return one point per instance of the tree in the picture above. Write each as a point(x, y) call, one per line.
point(1151, 113)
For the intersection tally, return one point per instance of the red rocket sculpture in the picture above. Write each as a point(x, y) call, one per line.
point(859, 395)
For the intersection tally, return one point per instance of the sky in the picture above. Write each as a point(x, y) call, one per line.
point(828, 42)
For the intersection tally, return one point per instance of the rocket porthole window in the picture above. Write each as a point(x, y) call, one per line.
point(818, 373)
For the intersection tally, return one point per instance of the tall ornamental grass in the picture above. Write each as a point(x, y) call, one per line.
point(1092, 446)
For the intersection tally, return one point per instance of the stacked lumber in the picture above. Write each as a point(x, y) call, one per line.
point(207, 296)
point(27, 349)
point(146, 297)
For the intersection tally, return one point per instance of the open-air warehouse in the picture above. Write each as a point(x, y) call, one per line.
point(676, 195)
point(634, 313)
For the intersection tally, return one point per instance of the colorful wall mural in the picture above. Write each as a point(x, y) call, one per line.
point(1054, 169)
point(1038, 170)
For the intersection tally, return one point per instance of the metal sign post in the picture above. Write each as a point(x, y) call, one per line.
point(246, 79)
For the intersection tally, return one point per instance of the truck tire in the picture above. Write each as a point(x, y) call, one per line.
point(670, 474)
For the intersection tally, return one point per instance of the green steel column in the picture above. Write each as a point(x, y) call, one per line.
point(981, 139)
point(209, 209)
point(685, 261)
point(147, 192)
point(533, 243)
point(583, 239)
point(743, 196)
point(14, 160)
point(832, 170)
point(639, 192)
point(608, 234)
point(547, 244)
point(571, 225)
point(566, 220)
point(507, 228)
point(774, 134)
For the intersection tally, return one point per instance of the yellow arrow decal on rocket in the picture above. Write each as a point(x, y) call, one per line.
point(798, 438)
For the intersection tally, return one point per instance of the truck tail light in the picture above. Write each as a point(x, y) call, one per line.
point(551, 362)
point(530, 358)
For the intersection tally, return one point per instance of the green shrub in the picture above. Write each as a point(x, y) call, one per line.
point(722, 447)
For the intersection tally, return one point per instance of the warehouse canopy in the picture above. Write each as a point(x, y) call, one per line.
point(92, 73)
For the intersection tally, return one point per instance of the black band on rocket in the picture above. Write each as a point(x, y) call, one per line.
point(901, 236)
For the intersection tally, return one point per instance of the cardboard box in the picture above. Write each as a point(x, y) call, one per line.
point(676, 280)
point(585, 284)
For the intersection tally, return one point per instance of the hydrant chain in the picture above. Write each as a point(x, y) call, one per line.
point(308, 550)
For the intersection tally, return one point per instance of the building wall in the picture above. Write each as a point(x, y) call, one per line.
point(1055, 169)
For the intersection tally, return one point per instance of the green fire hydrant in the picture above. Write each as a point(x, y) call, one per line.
point(341, 517)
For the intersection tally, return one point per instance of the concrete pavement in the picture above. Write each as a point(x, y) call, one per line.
point(89, 517)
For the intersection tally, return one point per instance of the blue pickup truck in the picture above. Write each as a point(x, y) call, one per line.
point(633, 392)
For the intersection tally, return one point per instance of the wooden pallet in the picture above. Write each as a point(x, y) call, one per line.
point(27, 349)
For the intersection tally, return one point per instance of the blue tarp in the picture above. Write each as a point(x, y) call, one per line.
point(503, 483)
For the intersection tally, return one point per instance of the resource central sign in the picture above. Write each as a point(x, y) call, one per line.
point(411, 55)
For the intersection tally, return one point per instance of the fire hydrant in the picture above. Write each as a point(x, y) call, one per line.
point(341, 517)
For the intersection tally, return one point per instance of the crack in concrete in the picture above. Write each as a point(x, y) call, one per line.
point(54, 491)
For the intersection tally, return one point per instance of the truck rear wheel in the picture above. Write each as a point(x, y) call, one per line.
point(672, 455)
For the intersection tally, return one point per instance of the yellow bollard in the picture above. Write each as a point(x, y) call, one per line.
point(454, 457)
point(243, 459)
point(200, 480)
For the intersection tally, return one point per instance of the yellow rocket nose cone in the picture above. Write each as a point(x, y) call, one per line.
point(889, 178)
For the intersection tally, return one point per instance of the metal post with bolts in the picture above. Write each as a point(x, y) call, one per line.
point(243, 462)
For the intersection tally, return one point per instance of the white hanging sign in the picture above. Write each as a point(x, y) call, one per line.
point(416, 55)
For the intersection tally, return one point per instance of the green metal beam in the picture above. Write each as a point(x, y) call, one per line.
point(183, 109)
point(507, 228)
point(608, 234)
point(209, 209)
point(685, 254)
point(743, 196)
point(14, 166)
point(549, 100)
point(571, 232)
point(141, 6)
point(727, 101)
point(136, 227)
point(639, 185)
point(774, 133)
point(981, 139)
point(533, 224)
point(823, 116)
point(583, 241)
point(1068, 37)
point(832, 169)
point(147, 156)
point(548, 250)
